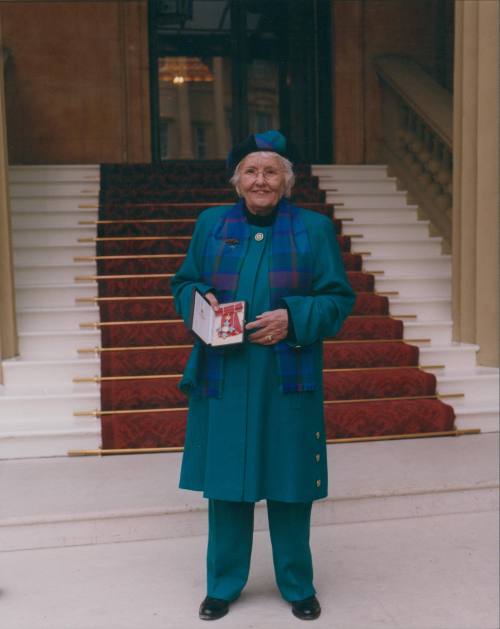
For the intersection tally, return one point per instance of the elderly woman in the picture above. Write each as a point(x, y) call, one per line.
point(255, 426)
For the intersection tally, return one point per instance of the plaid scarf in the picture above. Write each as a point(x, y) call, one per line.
point(290, 273)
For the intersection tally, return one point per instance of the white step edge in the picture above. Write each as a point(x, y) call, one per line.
point(47, 445)
point(72, 206)
point(482, 416)
point(20, 373)
point(401, 267)
point(50, 220)
point(38, 189)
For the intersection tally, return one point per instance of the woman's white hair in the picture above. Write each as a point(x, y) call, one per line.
point(286, 165)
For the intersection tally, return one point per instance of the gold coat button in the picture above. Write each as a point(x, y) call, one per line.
point(317, 435)
point(318, 458)
point(318, 483)
point(259, 236)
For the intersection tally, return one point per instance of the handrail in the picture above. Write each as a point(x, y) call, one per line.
point(417, 137)
point(424, 95)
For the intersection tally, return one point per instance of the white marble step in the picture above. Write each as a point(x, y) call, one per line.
point(48, 173)
point(480, 385)
point(477, 415)
point(399, 248)
point(460, 356)
point(437, 285)
point(378, 215)
point(422, 268)
point(18, 372)
point(53, 273)
point(437, 308)
point(54, 236)
point(348, 186)
point(61, 318)
point(352, 200)
point(52, 344)
point(438, 332)
point(45, 295)
point(48, 444)
point(46, 405)
point(51, 219)
point(344, 171)
point(417, 230)
point(54, 204)
point(37, 189)
point(53, 254)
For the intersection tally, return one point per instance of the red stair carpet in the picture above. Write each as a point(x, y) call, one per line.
point(373, 384)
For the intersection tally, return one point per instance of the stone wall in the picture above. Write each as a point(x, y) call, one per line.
point(76, 81)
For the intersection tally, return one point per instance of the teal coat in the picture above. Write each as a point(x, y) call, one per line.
point(256, 442)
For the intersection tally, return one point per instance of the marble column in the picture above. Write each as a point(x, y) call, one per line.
point(8, 328)
point(475, 248)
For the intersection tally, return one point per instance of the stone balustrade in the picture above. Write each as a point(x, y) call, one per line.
point(417, 138)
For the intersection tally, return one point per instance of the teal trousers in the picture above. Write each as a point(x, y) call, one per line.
point(230, 536)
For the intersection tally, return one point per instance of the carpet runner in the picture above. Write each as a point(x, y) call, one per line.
point(372, 380)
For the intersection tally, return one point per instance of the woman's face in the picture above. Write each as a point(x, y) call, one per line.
point(262, 182)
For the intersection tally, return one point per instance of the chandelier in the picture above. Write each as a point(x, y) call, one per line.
point(179, 70)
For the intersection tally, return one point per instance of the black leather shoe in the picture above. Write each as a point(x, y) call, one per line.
point(306, 609)
point(213, 608)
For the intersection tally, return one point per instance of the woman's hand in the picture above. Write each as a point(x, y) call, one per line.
point(212, 300)
point(271, 327)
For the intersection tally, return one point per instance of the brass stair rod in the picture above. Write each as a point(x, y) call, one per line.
point(120, 298)
point(422, 435)
point(99, 324)
point(378, 316)
point(329, 369)
point(149, 347)
point(131, 238)
point(88, 278)
point(138, 220)
point(433, 396)
point(163, 203)
point(98, 350)
point(96, 413)
point(130, 257)
point(97, 379)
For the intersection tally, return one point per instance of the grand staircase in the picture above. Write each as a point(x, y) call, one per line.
point(49, 391)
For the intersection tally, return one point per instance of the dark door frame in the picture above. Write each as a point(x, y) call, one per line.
point(305, 79)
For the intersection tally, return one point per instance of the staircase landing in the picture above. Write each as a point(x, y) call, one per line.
point(423, 573)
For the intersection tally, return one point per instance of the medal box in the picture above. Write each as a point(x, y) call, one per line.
point(220, 327)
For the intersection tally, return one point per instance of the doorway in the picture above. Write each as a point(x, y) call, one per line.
point(221, 69)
